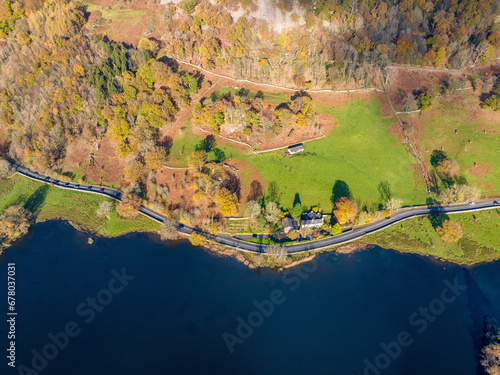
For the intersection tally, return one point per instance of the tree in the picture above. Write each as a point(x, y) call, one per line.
point(346, 210)
point(424, 101)
point(197, 159)
point(459, 194)
point(155, 158)
point(133, 171)
point(492, 102)
point(336, 229)
point(448, 168)
point(196, 239)
point(129, 205)
point(168, 230)
point(253, 210)
point(450, 231)
point(273, 212)
point(188, 6)
point(14, 223)
point(393, 205)
point(6, 169)
point(105, 209)
point(228, 202)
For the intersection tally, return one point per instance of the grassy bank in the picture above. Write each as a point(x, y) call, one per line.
point(480, 241)
point(49, 202)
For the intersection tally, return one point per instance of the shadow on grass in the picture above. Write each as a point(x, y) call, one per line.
point(437, 220)
point(35, 201)
point(340, 189)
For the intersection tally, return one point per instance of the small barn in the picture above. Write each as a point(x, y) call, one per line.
point(295, 149)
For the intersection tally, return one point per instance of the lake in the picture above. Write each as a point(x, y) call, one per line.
point(135, 305)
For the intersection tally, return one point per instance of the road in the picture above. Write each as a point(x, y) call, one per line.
point(256, 248)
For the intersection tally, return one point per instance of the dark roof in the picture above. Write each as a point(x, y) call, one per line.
point(289, 222)
point(311, 215)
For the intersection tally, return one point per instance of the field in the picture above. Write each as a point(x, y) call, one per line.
point(476, 140)
point(480, 241)
point(360, 155)
point(48, 202)
point(130, 16)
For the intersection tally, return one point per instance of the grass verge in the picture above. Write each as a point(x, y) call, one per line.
point(49, 202)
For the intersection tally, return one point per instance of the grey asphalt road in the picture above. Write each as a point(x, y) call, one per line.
point(256, 248)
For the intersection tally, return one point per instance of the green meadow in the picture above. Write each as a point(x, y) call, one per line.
point(361, 156)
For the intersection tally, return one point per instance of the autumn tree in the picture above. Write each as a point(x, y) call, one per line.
point(273, 212)
point(155, 158)
point(228, 202)
point(168, 230)
point(105, 209)
point(133, 171)
point(197, 159)
point(346, 210)
point(253, 210)
point(448, 168)
point(14, 223)
point(450, 231)
point(196, 239)
point(6, 170)
point(393, 204)
point(459, 194)
point(129, 205)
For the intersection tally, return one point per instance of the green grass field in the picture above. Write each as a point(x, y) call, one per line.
point(184, 144)
point(480, 241)
point(132, 17)
point(48, 202)
point(360, 153)
point(268, 97)
point(464, 114)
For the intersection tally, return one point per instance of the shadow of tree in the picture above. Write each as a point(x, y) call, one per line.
point(296, 200)
point(255, 191)
point(340, 189)
point(384, 189)
point(35, 201)
point(437, 219)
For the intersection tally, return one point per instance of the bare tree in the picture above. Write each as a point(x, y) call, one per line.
point(168, 230)
point(105, 209)
point(6, 170)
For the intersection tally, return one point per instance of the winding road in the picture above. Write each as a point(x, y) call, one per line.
point(257, 248)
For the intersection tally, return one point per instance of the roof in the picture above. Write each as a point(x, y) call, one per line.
point(296, 148)
point(289, 222)
point(311, 215)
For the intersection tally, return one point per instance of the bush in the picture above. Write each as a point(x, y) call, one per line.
point(189, 6)
point(336, 229)
point(424, 101)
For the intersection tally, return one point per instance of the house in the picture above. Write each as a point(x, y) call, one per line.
point(289, 224)
point(295, 148)
point(312, 219)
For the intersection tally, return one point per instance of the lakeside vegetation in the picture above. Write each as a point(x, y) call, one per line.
point(48, 202)
point(480, 240)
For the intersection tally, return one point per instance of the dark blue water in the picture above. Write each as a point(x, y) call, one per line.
point(332, 316)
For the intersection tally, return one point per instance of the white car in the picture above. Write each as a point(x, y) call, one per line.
point(472, 203)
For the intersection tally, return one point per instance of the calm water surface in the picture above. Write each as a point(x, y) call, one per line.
point(332, 316)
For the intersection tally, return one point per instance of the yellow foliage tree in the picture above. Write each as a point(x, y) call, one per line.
point(228, 202)
point(450, 231)
point(346, 210)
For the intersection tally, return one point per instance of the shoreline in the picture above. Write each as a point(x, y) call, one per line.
point(224, 251)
